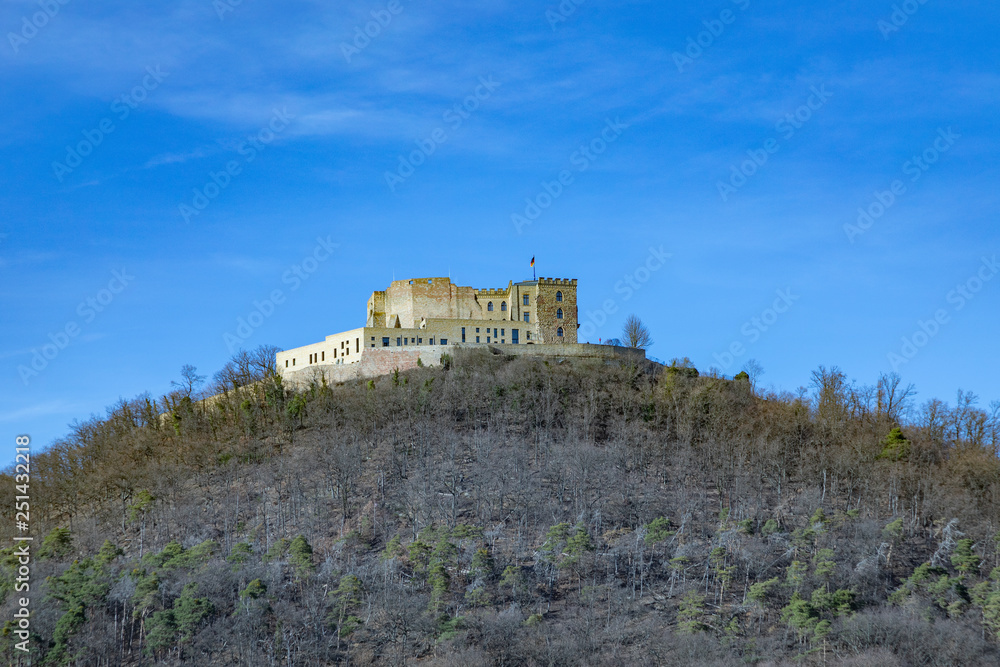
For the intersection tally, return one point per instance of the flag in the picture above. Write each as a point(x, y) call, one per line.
point(532, 261)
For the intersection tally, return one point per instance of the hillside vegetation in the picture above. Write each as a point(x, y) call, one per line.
point(514, 511)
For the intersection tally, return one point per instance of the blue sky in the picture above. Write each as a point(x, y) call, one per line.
point(739, 137)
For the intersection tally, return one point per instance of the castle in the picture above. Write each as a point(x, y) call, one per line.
point(416, 321)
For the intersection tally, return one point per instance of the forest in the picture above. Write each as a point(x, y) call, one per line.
point(501, 510)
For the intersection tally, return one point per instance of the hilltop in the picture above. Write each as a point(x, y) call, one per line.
point(500, 510)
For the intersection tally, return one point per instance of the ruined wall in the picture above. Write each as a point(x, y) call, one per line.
point(424, 298)
point(423, 312)
point(376, 310)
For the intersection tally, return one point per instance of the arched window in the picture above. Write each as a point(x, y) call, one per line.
point(559, 332)
point(559, 314)
point(558, 296)
point(503, 306)
point(489, 306)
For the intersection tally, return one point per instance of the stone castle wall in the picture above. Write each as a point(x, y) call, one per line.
point(413, 316)
point(383, 361)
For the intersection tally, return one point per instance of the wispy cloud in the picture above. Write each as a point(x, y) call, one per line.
point(28, 258)
point(38, 410)
point(177, 158)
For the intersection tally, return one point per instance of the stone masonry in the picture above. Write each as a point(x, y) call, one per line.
point(423, 317)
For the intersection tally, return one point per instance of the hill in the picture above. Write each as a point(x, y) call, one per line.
point(510, 511)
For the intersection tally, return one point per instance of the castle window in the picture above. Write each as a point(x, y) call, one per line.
point(477, 329)
point(558, 296)
point(559, 314)
point(444, 341)
point(487, 339)
point(357, 344)
point(463, 334)
point(477, 339)
point(527, 317)
point(431, 341)
point(559, 332)
point(503, 306)
point(420, 341)
point(525, 299)
point(494, 333)
point(335, 353)
point(323, 355)
point(503, 332)
point(293, 361)
point(385, 341)
point(399, 341)
point(286, 363)
point(527, 334)
point(513, 336)
point(489, 306)
point(406, 341)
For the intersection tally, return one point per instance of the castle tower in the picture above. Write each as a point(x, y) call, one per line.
point(555, 310)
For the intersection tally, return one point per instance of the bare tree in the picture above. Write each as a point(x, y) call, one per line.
point(189, 380)
point(893, 397)
point(753, 369)
point(635, 333)
point(832, 394)
point(245, 368)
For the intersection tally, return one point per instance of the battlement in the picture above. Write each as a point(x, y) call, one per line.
point(492, 292)
point(416, 313)
point(440, 280)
